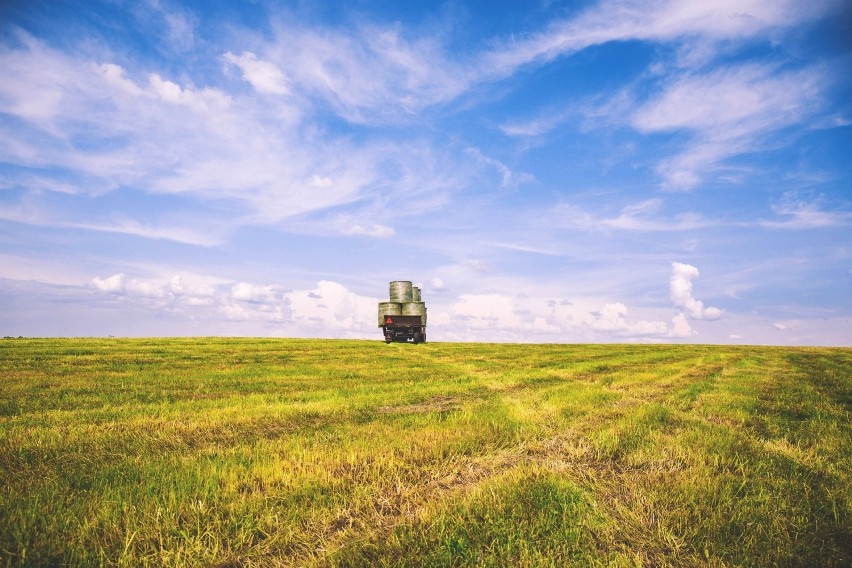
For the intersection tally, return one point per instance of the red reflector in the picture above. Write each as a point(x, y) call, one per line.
point(388, 319)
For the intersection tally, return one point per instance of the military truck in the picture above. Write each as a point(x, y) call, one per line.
point(403, 318)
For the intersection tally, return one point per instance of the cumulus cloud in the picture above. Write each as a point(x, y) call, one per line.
point(494, 316)
point(487, 310)
point(331, 306)
point(185, 288)
point(613, 318)
point(247, 302)
point(247, 292)
point(681, 327)
point(680, 292)
point(330, 309)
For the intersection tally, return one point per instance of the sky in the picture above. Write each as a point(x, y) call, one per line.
point(546, 171)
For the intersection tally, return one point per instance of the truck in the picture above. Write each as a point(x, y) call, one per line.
point(409, 329)
point(403, 318)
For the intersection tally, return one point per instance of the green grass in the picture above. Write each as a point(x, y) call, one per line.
point(260, 452)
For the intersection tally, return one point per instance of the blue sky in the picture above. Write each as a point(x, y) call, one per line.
point(612, 171)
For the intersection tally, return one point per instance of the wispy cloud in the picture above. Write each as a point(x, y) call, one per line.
point(728, 112)
point(95, 121)
point(368, 74)
point(643, 216)
point(374, 230)
point(798, 213)
point(623, 20)
point(537, 125)
point(508, 178)
point(178, 234)
point(264, 76)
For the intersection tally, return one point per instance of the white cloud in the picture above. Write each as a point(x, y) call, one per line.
point(180, 289)
point(181, 29)
point(368, 74)
point(536, 126)
point(320, 182)
point(114, 283)
point(126, 226)
point(642, 216)
point(728, 111)
point(508, 178)
point(202, 101)
point(376, 230)
point(805, 214)
point(174, 24)
point(680, 292)
point(264, 76)
point(613, 318)
point(330, 308)
point(681, 327)
point(498, 317)
point(622, 20)
point(147, 288)
point(109, 130)
point(374, 73)
point(247, 292)
point(192, 290)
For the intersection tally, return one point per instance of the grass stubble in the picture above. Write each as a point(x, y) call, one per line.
point(261, 452)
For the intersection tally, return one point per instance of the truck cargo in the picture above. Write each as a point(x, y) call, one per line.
point(403, 318)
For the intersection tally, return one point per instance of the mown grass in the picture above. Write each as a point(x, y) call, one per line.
point(260, 452)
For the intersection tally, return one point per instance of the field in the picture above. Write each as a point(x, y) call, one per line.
point(261, 452)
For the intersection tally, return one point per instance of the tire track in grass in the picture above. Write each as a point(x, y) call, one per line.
point(583, 457)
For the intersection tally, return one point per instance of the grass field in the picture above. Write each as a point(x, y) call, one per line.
point(261, 452)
